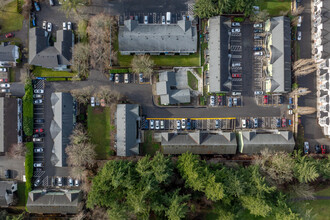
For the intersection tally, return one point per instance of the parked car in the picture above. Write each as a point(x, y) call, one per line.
point(243, 123)
point(306, 147)
point(258, 92)
point(44, 25)
point(278, 123)
point(38, 139)
point(290, 112)
point(38, 150)
point(236, 75)
point(3, 80)
point(49, 27)
point(76, 182)
point(258, 53)
point(257, 48)
point(39, 91)
point(51, 2)
point(59, 181)
point(299, 21)
point(235, 30)
point(7, 174)
point(9, 35)
point(178, 124)
point(38, 135)
point(145, 19)
point(37, 96)
point(290, 100)
point(299, 35)
point(216, 124)
point(93, 101)
point(283, 122)
point(212, 100)
point(162, 124)
point(236, 64)
point(257, 37)
point(157, 125)
point(289, 122)
point(36, 5)
point(317, 149)
point(259, 25)
point(64, 26)
point(220, 100)
point(37, 182)
point(188, 124)
point(141, 77)
point(256, 123)
point(183, 123)
point(3, 70)
point(126, 78)
point(117, 78)
point(37, 101)
point(39, 120)
point(5, 85)
point(163, 20)
point(265, 99)
point(235, 24)
point(69, 25)
point(235, 101)
point(230, 102)
point(323, 149)
point(258, 31)
point(152, 124)
point(38, 165)
point(33, 19)
point(70, 180)
point(39, 130)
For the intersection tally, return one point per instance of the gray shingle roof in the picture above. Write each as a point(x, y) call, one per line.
point(281, 54)
point(166, 89)
point(62, 202)
point(160, 38)
point(42, 54)
point(8, 53)
point(128, 134)
point(218, 54)
point(62, 124)
point(199, 142)
point(251, 142)
point(6, 192)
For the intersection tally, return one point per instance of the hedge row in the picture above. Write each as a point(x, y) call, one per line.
point(118, 71)
point(58, 79)
point(28, 109)
point(28, 167)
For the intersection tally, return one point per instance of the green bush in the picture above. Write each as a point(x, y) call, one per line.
point(58, 79)
point(28, 109)
point(28, 167)
point(118, 71)
point(239, 19)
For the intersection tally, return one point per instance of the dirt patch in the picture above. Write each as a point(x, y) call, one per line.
point(98, 110)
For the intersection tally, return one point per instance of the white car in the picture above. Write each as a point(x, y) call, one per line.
point(49, 27)
point(38, 150)
point(178, 124)
point(243, 123)
point(64, 26)
point(145, 19)
point(69, 25)
point(59, 181)
point(183, 123)
point(258, 53)
point(258, 92)
point(38, 165)
point(257, 25)
point(76, 183)
point(212, 100)
point(235, 30)
point(3, 70)
point(163, 20)
point(162, 126)
point(5, 90)
point(299, 35)
point(157, 125)
point(44, 24)
point(93, 101)
point(70, 181)
point(40, 91)
point(235, 24)
point(38, 139)
point(5, 85)
point(299, 21)
point(152, 125)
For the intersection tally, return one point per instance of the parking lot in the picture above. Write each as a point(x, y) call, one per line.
point(153, 17)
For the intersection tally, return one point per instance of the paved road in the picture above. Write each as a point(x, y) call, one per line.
point(313, 132)
point(15, 165)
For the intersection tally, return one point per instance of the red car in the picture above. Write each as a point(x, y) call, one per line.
point(3, 80)
point(236, 75)
point(323, 149)
point(266, 99)
point(39, 130)
point(9, 35)
point(283, 122)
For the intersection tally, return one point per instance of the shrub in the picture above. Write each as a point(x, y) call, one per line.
point(239, 19)
point(28, 109)
point(58, 79)
point(118, 71)
point(28, 167)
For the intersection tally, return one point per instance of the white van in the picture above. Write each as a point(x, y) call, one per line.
point(145, 19)
point(168, 17)
point(126, 78)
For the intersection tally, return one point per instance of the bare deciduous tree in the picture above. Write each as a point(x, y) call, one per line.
point(302, 191)
point(298, 10)
point(82, 95)
point(300, 92)
point(304, 67)
point(108, 95)
point(77, 172)
point(79, 135)
point(260, 17)
point(16, 151)
point(82, 154)
point(101, 49)
point(306, 110)
point(81, 60)
point(143, 64)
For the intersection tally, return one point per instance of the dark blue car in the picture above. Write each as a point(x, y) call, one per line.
point(290, 100)
point(36, 5)
point(112, 77)
point(278, 124)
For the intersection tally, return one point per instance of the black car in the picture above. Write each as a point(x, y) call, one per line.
point(317, 149)
point(278, 123)
point(38, 135)
point(258, 30)
point(112, 77)
point(39, 120)
point(7, 174)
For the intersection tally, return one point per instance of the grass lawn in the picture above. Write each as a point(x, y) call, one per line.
point(10, 20)
point(98, 123)
point(274, 7)
point(21, 194)
point(199, 71)
point(149, 147)
point(44, 72)
point(324, 192)
point(192, 81)
point(12, 76)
